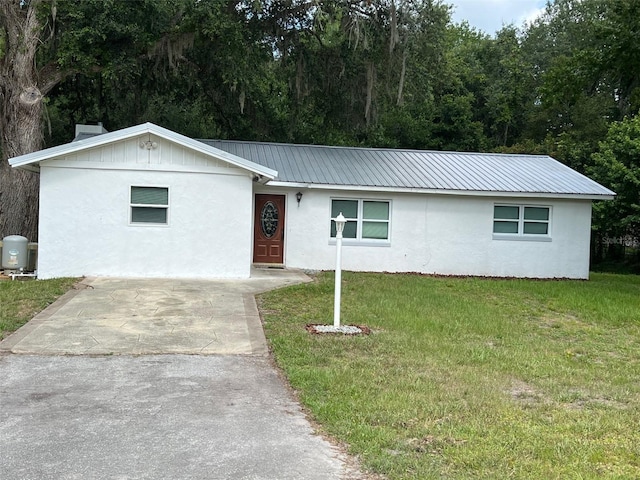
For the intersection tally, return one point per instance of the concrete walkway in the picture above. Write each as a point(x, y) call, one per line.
point(146, 414)
point(143, 316)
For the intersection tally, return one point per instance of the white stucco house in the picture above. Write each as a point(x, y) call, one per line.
point(148, 202)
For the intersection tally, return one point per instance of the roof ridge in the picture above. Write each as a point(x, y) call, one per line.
point(383, 149)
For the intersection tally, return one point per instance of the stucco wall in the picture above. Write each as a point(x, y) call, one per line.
point(85, 229)
point(442, 234)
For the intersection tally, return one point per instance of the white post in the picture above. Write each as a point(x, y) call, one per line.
point(340, 222)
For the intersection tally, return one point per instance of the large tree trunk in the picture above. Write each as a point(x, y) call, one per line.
point(22, 88)
point(18, 188)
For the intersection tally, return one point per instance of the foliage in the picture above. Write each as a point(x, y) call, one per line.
point(575, 55)
point(617, 165)
point(467, 377)
point(390, 73)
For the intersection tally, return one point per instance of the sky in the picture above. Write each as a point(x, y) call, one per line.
point(490, 15)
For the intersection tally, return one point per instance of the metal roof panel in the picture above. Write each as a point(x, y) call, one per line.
point(416, 169)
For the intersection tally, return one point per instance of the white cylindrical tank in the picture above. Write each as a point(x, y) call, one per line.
point(14, 252)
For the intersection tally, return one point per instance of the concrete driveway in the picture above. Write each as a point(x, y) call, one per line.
point(69, 409)
point(142, 316)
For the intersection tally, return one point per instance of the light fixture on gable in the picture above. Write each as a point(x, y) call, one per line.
point(148, 145)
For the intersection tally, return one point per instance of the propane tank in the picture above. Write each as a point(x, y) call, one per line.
point(14, 252)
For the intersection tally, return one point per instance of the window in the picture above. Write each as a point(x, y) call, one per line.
point(366, 219)
point(149, 205)
point(521, 220)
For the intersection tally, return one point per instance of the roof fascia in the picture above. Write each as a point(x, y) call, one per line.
point(73, 147)
point(470, 193)
point(277, 183)
point(212, 151)
point(31, 168)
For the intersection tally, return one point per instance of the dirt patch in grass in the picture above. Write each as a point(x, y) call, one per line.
point(432, 444)
point(560, 320)
point(525, 393)
point(583, 401)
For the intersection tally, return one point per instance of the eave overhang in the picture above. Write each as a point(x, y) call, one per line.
point(430, 191)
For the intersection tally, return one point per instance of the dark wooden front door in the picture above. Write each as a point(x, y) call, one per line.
point(268, 229)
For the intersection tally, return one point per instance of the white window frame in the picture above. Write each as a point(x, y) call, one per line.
point(148, 205)
point(520, 235)
point(360, 220)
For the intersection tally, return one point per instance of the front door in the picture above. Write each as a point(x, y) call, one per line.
point(268, 229)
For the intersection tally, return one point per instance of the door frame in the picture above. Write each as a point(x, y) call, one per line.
point(255, 225)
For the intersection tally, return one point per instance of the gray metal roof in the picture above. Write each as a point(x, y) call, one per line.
point(84, 135)
point(416, 169)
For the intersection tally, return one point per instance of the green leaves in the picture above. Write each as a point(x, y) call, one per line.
point(617, 166)
point(390, 73)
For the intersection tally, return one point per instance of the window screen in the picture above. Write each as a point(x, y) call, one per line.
point(521, 220)
point(150, 195)
point(366, 219)
point(149, 205)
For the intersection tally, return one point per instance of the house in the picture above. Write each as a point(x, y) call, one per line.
point(148, 202)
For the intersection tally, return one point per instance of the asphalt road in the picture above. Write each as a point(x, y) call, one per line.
point(155, 417)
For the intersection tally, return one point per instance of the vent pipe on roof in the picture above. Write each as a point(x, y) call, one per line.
point(90, 129)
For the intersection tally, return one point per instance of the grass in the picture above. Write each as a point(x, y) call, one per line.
point(470, 378)
point(21, 300)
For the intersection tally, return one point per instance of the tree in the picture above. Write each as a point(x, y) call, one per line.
point(355, 68)
point(23, 85)
point(617, 166)
point(44, 42)
point(586, 65)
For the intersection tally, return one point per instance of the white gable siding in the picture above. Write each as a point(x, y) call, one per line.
point(441, 234)
point(128, 153)
point(84, 215)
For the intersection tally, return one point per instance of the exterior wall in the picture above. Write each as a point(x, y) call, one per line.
point(85, 228)
point(441, 234)
point(84, 215)
point(466, 244)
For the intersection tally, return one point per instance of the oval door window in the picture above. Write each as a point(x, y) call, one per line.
point(269, 219)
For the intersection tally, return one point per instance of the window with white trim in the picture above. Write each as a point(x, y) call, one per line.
point(521, 220)
point(149, 205)
point(367, 220)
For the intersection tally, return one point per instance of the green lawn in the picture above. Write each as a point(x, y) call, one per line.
point(21, 300)
point(470, 378)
